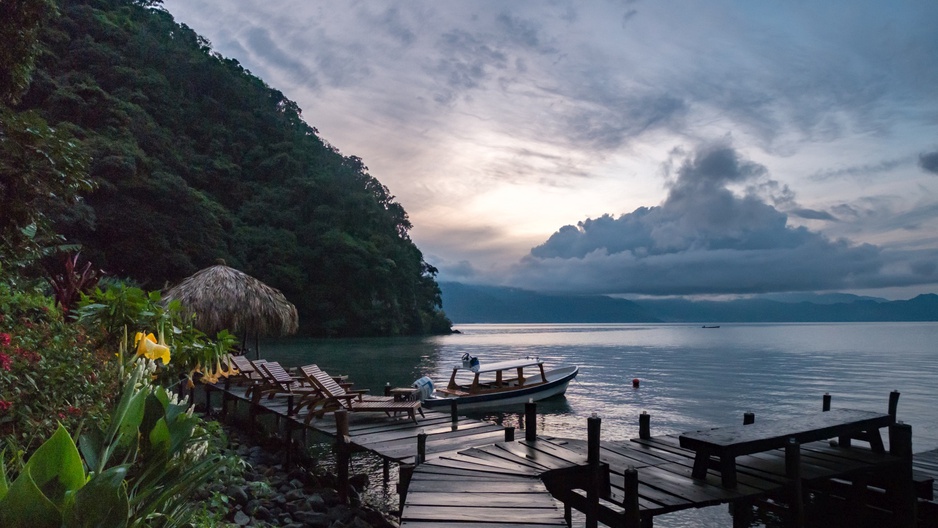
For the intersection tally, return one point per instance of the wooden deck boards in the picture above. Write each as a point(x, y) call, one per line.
point(472, 478)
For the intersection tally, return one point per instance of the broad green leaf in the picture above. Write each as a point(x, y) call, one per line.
point(91, 444)
point(159, 436)
point(102, 503)
point(56, 467)
point(24, 506)
point(4, 486)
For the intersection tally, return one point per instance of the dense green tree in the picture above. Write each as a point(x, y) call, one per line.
point(196, 159)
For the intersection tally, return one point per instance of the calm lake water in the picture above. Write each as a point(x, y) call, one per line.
point(691, 377)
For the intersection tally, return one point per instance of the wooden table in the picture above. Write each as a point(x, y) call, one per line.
point(727, 443)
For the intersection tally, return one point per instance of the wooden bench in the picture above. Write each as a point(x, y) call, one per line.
point(727, 443)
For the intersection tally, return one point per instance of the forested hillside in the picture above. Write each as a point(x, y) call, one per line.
point(196, 159)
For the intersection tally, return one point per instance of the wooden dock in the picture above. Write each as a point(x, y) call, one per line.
point(461, 473)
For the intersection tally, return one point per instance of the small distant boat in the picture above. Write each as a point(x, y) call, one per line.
point(710, 326)
point(476, 385)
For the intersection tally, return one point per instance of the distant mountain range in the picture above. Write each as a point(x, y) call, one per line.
point(464, 303)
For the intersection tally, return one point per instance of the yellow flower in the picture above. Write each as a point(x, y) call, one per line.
point(150, 349)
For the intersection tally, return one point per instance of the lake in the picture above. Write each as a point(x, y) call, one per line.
point(690, 377)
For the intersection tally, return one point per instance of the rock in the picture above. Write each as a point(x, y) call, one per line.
point(241, 519)
point(296, 483)
point(295, 494)
point(237, 494)
point(312, 519)
point(262, 514)
point(316, 503)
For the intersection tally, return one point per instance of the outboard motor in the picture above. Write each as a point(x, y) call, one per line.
point(470, 362)
point(424, 387)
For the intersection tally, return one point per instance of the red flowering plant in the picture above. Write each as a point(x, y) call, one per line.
point(48, 374)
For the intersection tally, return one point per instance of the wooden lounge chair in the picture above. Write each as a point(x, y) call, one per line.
point(278, 382)
point(248, 370)
point(335, 397)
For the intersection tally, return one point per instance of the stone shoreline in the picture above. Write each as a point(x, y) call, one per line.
point(271, 495)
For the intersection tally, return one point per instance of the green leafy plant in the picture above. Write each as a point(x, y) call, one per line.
point(141, 469)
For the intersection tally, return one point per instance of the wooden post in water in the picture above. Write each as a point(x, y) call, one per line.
point(593, 427)
point(902, 495)
point(893, 403)
point(406, 472)
point(387, 388)
point(386, 472)
point(793, 471)
point(632, 516)
point(421, 447)
point(644, 426)
point(453, 411)
point(509, 434)
point(749, 418)
point(826, 403)
point(530, 421)
point(343, 453)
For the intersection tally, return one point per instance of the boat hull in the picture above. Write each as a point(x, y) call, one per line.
point(557, 381)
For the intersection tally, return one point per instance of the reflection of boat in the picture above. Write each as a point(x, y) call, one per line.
point(476, 385)
point(710, 326)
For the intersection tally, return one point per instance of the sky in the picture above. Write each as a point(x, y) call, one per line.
point(626, 147)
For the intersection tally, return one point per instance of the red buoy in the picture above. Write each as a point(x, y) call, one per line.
point(635, 383)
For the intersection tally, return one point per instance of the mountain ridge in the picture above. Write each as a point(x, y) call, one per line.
point(465, 304)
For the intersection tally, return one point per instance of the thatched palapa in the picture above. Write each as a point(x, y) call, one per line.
point(224, 298)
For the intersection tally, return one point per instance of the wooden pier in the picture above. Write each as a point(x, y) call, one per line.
point(461, 473)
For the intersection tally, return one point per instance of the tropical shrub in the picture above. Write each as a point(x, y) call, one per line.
point(141, 469)
point(49, 372)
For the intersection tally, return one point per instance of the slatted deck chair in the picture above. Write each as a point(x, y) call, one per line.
point(248, 370)
point(278, 382)
point(336, 397)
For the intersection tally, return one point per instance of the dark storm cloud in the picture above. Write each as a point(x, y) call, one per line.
point(929, 162)
point(704, 239)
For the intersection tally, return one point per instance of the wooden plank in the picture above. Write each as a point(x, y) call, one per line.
point(520, 485)
point(440, 436)
point(503, 457)
point(502, 524)
point(541, 457)
point(453, 514)
point(540, 499)
point(447, 462)
point(385, 436)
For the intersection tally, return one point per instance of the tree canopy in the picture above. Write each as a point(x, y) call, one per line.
point(196, 159)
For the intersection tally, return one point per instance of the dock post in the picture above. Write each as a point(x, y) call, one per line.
point(632, 515)
point(530, 421)
point(421, 447)
point(593, 427)
point(903, 497)
point(793, 471)
point(509, 434)
point(826, 404)
point(343, 454)
point(224, 399)
point(749, 418)
point(406, 473)
point(644, 426)
point(893, 403)
point(386, 471)
point(453, 411)
point(387, 388)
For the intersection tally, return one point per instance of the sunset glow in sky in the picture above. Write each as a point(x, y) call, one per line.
point(626, 147)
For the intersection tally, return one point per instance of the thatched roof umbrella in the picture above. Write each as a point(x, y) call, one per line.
point(225, 298)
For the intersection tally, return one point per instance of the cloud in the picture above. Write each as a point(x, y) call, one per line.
point(858, 171)
point(929, 162)
point(706, 239)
